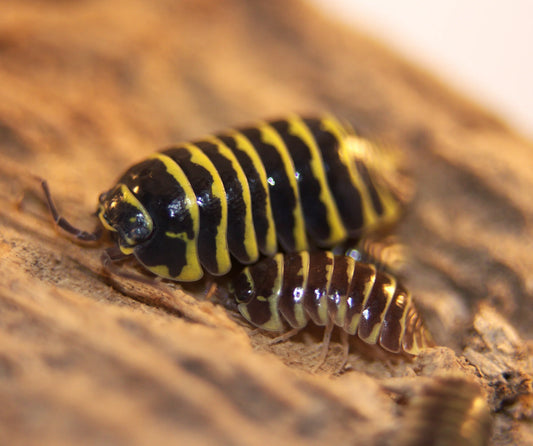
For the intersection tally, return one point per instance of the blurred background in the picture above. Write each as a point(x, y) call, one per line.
point(482, 48)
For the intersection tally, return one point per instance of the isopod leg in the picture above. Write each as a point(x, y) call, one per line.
point(325, 346)
point(345, 339)
point(109, 259)
point(285, 336)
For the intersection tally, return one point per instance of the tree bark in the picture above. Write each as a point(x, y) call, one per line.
point(89, 87)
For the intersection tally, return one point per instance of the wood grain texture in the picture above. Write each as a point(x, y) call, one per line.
point(89, 87)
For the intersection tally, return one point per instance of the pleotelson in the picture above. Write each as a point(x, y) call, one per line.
point(293, 183)
point(293, 289)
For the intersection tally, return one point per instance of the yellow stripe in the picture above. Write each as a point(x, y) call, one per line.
point(390, 204)
point(415, 350)
point(161, 271)
point(217, 188)
point(323, 304)
point(411, 313)
point(299, 310)
point(338, 232)
point(126, 250)
point(250, 241)
point(192, 270)
point(372, 156)
point(243, 143)
point(346, 148)
point(274, 323)
point(408, 302)
point(245, 272)
point(343, 304)
point(417, 333)
point(354, 323)
point(374, 334)
point(270, 136)
point(105, 224)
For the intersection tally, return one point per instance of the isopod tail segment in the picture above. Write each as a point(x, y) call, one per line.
point(289, 290)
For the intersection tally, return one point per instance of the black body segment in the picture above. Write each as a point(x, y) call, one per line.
point(318, 280)
point(259, 289)
point(256, 178)
point(281, 178)
point(365, 176)
point(361, 283)
point(291, 302)
point(338, 290)
point(393, 324)
point(240, 231)
point(292, 184)
point(212, 247)
point(334, 290)
point(374, 309)
point(348, 197)
point(322, 217)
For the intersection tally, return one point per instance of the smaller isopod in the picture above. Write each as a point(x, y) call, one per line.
point(289, 290)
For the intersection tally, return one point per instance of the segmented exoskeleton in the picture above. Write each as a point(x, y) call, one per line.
point(451, 410)
point(295, 184)
point(287, 291)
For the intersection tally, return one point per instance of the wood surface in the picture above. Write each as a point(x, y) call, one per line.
point(89, 87)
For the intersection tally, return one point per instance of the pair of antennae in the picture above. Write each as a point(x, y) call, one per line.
point(111, 256)
point(63, 223)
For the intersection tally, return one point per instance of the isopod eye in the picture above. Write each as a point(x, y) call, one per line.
point(243, 287)
point(133, 227)
point(120, 211)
